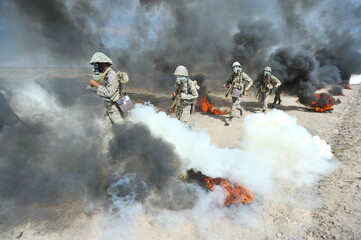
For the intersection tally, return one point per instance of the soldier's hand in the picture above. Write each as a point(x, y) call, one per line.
point(277, 85)
point(247, 88)
point(93, 83)
point(224, 86)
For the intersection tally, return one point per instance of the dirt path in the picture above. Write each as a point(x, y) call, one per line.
point(340, 215)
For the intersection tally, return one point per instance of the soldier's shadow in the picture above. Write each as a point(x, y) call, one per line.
point(253, 107)
point(290, 108)
point(215, 116)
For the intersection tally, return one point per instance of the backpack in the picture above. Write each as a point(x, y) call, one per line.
point(122, 77)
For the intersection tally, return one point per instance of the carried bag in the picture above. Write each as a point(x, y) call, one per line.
point(125, 105)
point(236, 92)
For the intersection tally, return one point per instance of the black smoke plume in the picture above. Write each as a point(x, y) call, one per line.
point(60, 159)
point(149, 39)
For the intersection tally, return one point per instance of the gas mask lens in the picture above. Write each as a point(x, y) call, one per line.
point(181, 79)
point(96, 68)
point(237, 69)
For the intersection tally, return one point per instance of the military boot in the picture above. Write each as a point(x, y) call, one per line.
point(228, 121)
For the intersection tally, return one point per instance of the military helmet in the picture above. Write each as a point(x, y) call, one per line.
point(181, 71)
point(268, 69)
point(236, 64)
point(100, 57)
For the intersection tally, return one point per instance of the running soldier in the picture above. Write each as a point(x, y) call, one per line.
point(265, 83)
point(111, 91)
point(186, 94)
point(237, 84)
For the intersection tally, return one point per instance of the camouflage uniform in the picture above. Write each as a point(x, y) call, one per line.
point(111, 90)
point(187, 93)
point(242, 80)
point(266, 82)
point(184, 102)
point(110, 93)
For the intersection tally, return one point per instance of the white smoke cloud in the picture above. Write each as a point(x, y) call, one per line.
point(273, 146)
point(273, 151)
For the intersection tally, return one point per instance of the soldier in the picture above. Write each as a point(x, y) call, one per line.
point(186, 93)
point(265, 83)
point(110, 92)
point(237, 84)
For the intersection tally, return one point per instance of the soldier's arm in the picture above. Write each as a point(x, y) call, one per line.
point(111, 88)
point(275, 81)
point(229, 81)
point(247, 79)
point(193, 95)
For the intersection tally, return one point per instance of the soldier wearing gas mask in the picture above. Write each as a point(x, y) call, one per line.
point(185, 95)
point(110, 92)
point(265, 83)
point(237, 84)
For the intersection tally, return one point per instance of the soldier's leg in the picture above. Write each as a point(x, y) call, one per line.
point(238, 106)
point(178, 112)
point(234, 106)
point(114, 114)
point(261, 97)
point(185, 113)
point(265, 101)
point(231, 113)
point(275, 98)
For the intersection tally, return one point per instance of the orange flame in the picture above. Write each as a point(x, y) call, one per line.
point(206, 106)
point(235, 193)
point(324, 102)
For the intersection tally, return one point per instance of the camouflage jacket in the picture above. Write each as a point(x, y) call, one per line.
point(110, 91)
point(189, 93)
point(267, 83)
point(240, 81)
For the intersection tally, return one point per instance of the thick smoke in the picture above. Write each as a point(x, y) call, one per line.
point(259, 162)
point(7, 115)
point(150, 38)
point(132, 174)
point(297, 69)
point(61, 156)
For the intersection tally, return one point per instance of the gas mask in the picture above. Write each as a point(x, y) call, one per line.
point(237, 69)
point(98, 68)
point(181, 79)
point(266, 73)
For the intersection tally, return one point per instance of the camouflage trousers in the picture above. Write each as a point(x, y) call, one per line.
point(236, 105)
point(183, 113)
point(263, 98)
point(112, 115)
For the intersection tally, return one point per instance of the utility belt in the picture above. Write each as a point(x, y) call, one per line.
point(185, 102)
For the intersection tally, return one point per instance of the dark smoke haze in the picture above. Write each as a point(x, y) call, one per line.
point(59, 157)
point(150, 38)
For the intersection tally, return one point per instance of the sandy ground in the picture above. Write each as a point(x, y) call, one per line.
point(336, 211)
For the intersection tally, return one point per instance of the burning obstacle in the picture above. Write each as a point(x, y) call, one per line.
point(206, 106)
point(236, 194)
point(323, 102)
